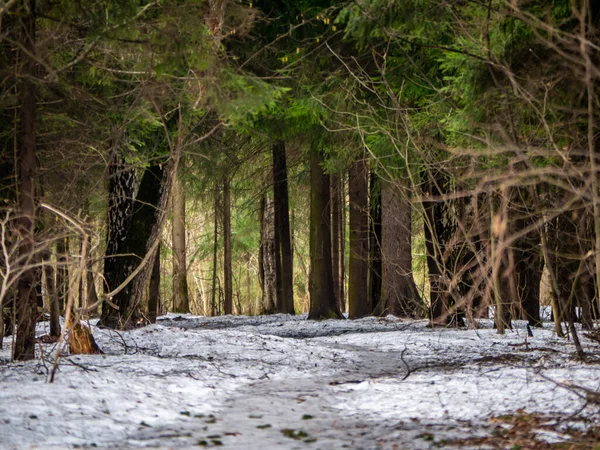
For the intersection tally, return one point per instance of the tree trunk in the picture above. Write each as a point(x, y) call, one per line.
point(323, 304)
point(51, 295)
point(375, 263)
point(283, 249)
point(154, 304)
point(158, 200)
point(27, 315)
point(62, 272)
point(358, 265)
point(400, 296)
point(121, 188)
point(566, 270)
point(528, 272)
point(227, 263)
point(337, 239)
point(138, 237)
point(181, 302)
point(439, 227)
point(267, 256)
point(214, 305)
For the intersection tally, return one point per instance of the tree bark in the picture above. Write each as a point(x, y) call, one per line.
point(62, 272)
point(439, 228)
point(227, 263)
point(154, 303)
point(283, 242)
point(181, 301)
point(157, 200)
point(121, 188)
point(375, 238)
point(267, 256)
point(323, 304)
point(562, 243)
point(358, 264)
point(337, 239)
point(139, 236)
point(52, 297)
point(24, 348)
point(214, 305)
point(528, 272)
point(400, 296)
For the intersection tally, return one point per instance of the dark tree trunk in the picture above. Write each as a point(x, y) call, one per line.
point(156, 200)
point(566, 271)
point(121, 188)
point(400, 296)
point(181, 301)
point(27, 315)
point(227, 264)
point(528, 272)
point(323, 304)
point(135, 246)
point(51, 295)
point(586, 281)
point(267, 256)
point(214, 305)
point(439, 227)
point(283, 242)
point(358, 263)
point(342, 300)
point(154, 303)
point(337, 239)
point(375, 263)
point(62, 272)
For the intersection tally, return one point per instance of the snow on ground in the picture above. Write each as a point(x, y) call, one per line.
point(284, 382)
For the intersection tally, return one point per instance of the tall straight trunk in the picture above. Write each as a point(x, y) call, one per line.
point(181, 301)
point(121, 188)
point(24, 347)
point(283, 240)
point(62, 272)
point(267, 256)
point(566, 271)
point(158, 198)
point(375, 264)
point(227, 263)
point(323, 304)
point(249, 285)
point(342, 300)
point(51, 295)
point(528, 272)
point(154, 303)
point(135, 246)
point(214, 306)
point(587, 280)
point(439, 228)
point(358, 266)
point(337, 239)
point(400, 296)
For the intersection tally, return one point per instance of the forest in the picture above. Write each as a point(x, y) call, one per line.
point(373, 162)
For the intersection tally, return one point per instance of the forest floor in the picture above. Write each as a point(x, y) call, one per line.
point(281, 382)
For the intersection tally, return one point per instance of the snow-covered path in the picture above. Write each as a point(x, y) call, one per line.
point(284, 382)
